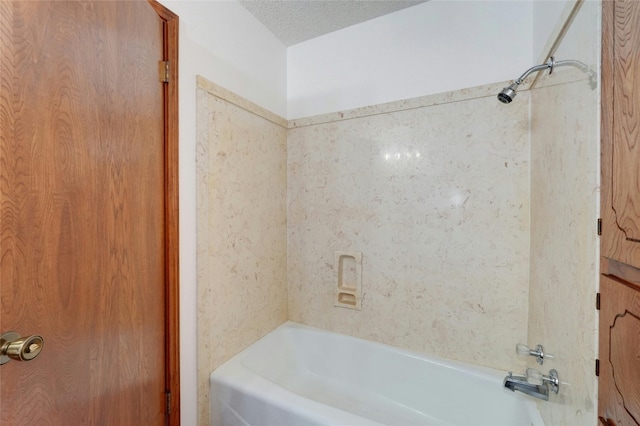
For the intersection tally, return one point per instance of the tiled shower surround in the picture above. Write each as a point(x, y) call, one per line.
point(564, 241)
point(242, 179)
point(433, 191)
point(436, 199)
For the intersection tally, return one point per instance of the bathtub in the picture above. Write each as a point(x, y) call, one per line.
point(298, 375)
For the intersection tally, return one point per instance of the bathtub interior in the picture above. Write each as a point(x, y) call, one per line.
point(381, 383)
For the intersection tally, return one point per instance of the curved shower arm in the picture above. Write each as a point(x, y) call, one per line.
point(550, 64)
point(580, 65)
point(591, 74)
point(508, 93)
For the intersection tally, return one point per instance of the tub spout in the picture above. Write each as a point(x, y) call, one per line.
point(520, 383)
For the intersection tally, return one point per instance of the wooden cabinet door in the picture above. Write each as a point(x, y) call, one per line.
point(83, 242)
point(619, 332)
point(621, 131)
point(619, 382)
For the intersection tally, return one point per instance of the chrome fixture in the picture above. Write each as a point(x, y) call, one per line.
point(538, 352)
point(534, 383)
point(519, 383)
point(537, 378)
point(508, 93)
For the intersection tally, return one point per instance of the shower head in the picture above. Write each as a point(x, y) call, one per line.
point(508, 93)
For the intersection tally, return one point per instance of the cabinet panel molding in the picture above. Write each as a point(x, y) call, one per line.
point(619, 398)
point(621, 131)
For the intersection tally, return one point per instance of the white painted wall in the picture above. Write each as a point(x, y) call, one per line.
point(223, 42)
point(430, 48)
point(548, 19)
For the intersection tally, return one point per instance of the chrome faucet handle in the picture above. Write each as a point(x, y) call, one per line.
point(534, 376)
point(538, 352)
point(537, 378)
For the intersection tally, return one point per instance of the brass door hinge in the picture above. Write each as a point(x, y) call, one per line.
point(597, 367)
point(599, 226)
point(163, 71)
point(597, 301)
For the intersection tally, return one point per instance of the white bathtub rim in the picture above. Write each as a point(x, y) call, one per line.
point(261, 388)
point(239, 377)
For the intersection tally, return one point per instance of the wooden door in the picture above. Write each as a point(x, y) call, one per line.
point(85, 208)
point(619, 400)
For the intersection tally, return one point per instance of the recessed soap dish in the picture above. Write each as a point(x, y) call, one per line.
point(348, 291)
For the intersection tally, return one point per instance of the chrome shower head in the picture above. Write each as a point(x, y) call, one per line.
point(508, 93)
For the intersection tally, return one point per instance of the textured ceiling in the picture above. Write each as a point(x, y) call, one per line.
point(294, 21)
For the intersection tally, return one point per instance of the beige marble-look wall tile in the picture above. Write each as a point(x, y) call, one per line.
point(402, 105)
point(564, 187)
point(241, 230)
point(564, 243)
point(437, 200)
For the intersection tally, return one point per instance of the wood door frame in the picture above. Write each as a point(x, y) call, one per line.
point(171, 226)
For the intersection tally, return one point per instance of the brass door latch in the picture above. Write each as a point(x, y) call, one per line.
point(12, 346)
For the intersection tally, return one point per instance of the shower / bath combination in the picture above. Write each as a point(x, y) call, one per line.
point(508, 93)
